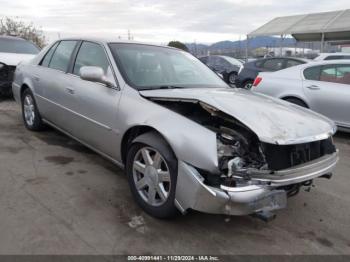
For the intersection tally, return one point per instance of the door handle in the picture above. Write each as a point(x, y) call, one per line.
point(70, 90)
point(313, 87)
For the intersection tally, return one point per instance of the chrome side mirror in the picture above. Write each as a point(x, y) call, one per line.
point(94, 74)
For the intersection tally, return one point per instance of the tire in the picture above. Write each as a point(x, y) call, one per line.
point(296, 101)
point(146, 175)
point(30, 114)
point(231, 79)
point(248, 84)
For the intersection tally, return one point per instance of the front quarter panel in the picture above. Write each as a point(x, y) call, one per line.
point(191, 142)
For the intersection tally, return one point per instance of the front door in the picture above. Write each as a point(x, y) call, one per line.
point(94, 104)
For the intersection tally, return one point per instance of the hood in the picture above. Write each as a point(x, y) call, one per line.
point(13, 59)
point(272, 120)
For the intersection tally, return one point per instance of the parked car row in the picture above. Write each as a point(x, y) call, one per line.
point(179, 131)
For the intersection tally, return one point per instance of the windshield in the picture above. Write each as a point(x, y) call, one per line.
point(233, 61)
point(152, 67)
point(8, 45)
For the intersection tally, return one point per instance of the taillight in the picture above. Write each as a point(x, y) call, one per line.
point(257, 81)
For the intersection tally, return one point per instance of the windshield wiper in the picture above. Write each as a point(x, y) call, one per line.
point(169, 87)
point(163, 87)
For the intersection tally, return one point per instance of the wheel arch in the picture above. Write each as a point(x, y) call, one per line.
point(136, 131)
point(286, 97)
point(22, 89)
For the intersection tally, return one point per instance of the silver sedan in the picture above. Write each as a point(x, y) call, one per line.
point(177, 129)
point(320, 86)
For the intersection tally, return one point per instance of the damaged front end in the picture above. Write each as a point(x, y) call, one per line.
point(6, 78)
point(253, 177)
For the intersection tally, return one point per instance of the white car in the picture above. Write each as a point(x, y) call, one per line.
point(320, 86)
point(13, 50)
point(332, 56)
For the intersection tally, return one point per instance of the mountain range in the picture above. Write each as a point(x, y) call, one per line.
point(261, 41)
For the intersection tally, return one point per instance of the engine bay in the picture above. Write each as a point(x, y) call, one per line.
point(239, 150)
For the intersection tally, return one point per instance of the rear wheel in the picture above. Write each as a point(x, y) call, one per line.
point(248, 84)
point(296, 101)
point(31, 117)
point(151, 168)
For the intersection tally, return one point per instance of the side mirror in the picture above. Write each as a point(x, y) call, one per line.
point(94, 74)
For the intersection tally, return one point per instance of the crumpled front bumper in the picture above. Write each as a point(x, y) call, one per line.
point(262, 195)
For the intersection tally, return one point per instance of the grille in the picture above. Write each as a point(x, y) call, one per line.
point(280, 157)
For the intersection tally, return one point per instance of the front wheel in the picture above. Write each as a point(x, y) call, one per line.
point(151, 168)
point(31, 116)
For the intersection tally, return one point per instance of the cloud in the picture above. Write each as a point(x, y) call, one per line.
point(159, 20)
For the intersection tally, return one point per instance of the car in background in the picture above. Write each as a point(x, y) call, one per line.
point(227, 66)
point(13, 50)
point(183, 138)
point(332, 56)
point(250, 70)
point(320, 86)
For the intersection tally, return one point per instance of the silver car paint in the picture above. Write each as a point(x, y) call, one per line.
point(326, 98)
point(99, 117)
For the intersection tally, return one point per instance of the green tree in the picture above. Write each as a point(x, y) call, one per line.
point(16, 27)
point(179, 45)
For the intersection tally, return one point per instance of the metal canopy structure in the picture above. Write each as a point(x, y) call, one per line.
point(326, 26)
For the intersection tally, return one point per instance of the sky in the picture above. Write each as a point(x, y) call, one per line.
point(158, 21)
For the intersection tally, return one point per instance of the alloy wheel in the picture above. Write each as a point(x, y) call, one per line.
point(29, 110)
point(151, 176)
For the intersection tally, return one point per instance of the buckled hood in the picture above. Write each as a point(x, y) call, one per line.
point(272, 120)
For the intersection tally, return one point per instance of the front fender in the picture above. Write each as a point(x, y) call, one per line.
point(191, 142)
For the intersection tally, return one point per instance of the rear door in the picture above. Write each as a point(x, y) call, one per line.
point(94, 104)
point(52, 84)
point(327, 88)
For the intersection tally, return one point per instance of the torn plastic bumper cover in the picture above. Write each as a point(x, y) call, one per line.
point(261, 196)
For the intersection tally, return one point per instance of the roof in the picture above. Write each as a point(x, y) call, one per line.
point(11, 37)
point(334, 25)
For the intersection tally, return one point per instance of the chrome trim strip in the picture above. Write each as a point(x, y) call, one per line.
point(85, 144)
point(75, 113)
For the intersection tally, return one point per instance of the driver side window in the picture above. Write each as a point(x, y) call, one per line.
point(92, 54)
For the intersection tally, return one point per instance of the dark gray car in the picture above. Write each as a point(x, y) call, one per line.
point(250, 70)
point(227, 66)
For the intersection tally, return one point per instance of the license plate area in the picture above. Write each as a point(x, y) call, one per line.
point(273, 200)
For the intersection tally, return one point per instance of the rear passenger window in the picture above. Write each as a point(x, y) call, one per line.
point(343, 74)
point(291, 62)
point(312, 73)
point(91, 54)
point(47, 58)
point(328, 73)
point(273, 64)
point(334, 57)
point(61, 58)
